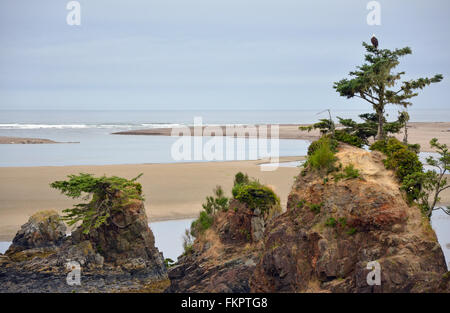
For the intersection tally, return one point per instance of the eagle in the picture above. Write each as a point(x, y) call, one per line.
point(374, 41)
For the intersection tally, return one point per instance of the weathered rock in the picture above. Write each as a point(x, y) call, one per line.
point(324, 242)
point(332, 230)
point(43, 229)
point(119, 256)
point(225, 256)
point(126, 241)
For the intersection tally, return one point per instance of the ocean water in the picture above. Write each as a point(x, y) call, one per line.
point(97, 146)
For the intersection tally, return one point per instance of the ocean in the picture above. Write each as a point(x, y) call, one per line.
point(93, 128)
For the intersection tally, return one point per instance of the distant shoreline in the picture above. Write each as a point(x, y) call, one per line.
point(5, 140)
point(418, 132)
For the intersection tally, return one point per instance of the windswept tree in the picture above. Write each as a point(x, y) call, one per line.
point(376, 82)
point(106, 195)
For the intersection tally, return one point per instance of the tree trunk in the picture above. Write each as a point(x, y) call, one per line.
point(405, 137)
point(380, 132)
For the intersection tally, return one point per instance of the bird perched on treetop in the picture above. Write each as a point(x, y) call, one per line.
point(374, 41)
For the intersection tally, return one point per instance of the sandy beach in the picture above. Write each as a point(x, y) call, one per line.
point(6, 140)
point(172, 191)
point(419, 132)
point(19, 140)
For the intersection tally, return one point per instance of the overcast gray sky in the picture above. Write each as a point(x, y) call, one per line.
point(208, 54)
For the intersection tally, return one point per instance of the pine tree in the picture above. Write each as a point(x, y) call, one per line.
point(376, 83)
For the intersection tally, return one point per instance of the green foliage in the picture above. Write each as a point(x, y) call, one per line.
point(241, 179)
point(301, 203)
point(349, 172)
point(331, 222)
point(358, 134)
point(315, 207)
point(350, 139)
point(379, 145)
point(376, 83)
point(324, 125)
point(400, 157)
point(108, 195)
point(425, 187)
point(168, 262)
point(216, 203)
point(323, 157)
point(333, 144)
point(188, 242)
point(404, 162)
point(342, 222)
point(256, 196)
point(351, 231)
point(202, 223)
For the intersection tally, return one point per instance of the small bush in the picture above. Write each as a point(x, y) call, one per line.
point(201, 224)
point(324, 139)
point(216, 203)
point(331, 222)
point(380, 145)
point(350, 139)
point(188, 242)
point(349, 172)
point(400, 157)
point(168, 262)
point(342, 222)
point(256, 196)
point(323, 157)
point(241, 179)
point(315, 207)
point(404, 161)
point(301, 203)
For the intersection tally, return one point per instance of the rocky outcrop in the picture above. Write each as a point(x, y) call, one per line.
point(43, 230)
point(337, 233)
point(126, 241)
point(118, 256)
point(224, 257)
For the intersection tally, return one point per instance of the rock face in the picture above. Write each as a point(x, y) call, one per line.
point(225, 256)
point(119, 256)
point(336, 236)
point(126, 241)
point(332, 231)
point(43, 229)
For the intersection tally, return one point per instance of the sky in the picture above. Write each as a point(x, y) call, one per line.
point(209, 54)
